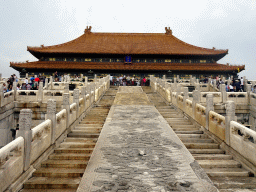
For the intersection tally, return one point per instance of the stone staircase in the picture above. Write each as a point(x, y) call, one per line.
point(65, 167)
point(226, 173)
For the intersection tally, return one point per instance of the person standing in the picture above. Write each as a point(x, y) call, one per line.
point(242, 84)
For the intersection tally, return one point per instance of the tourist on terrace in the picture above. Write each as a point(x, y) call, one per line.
point(254, 89)
point(4, 88)
point(26, 81)
point(32, 79)
point(242, 84)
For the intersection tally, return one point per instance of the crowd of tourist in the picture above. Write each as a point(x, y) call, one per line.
point(236, 85)
point(28, 83)
point(128, 81)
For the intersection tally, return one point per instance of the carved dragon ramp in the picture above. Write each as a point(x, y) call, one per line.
point(138, 151)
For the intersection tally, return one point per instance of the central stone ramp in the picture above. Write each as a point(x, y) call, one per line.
point(138, 151)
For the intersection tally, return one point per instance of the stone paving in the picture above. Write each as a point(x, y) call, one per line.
point(137, 151)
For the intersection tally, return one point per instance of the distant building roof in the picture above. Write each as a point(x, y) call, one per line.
point(65, 65)
point(127, 43)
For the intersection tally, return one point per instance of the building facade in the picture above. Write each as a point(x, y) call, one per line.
point(139, 54)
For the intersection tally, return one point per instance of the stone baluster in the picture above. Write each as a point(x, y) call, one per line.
point(83, 94)
point(190, 79)
point(51, 114)
point(66, 87)
point(185, 92)
point(51, 82)
point(175, 84)
point(230, 116)
point(40, 92)
point(209, 84)
point(209, 107)
point(196, 99)
point(1, 95)
point(214, 84)
point(178, 91)
point(197, 81)
point(245, 83)
point(62, 78)
point(76, 100)
point(223, 92)
point(14, 88)
point(178, 78)
point(95, 78)
point(0, 76)
point(86, 80)
point(26, 75)
point(46, 83)
point(81, 77)
point(25, 123)
point(68, 78)
point(164, 77)
point(66, 106)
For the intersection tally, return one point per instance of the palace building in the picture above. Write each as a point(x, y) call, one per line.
point(139, 54)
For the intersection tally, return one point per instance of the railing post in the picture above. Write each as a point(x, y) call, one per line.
point(0, 76)
point(51, 82)
point(1, 95)
point(245, 83)
point(190, 79)
point(66, 87)
point(15, 90)
point(196, 99)
point(209, 107)
point(185, 92)
point(249, 90)
point(26, 75)
point(214, 84)
point(223, 92)
point(66, 106)
point(83, 94)
point(25, 122)
point(51, 114)
point(175, 83)
point(40, 92)
point(81, 77)
point(164, 77)
point(209, 84)
point(178, 78)
point(86, 80)
point(230, 116)
point(76, 100)
point(46, 84)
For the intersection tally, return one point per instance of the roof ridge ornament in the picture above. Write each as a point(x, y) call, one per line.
point(88, 29)
point(168, 31)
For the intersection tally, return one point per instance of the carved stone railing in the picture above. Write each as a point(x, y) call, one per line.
point(200, 114)
point(243, 140)
point(217, 125)
point(18, 158)
point(41, 139)
point(11, 162)
point(240, 138)
point(6, 98)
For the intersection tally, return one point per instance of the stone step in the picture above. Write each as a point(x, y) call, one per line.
point(64, 163)
point(192, 140)
point(90, 125)
point(77, 145)
point(227, 172)
point(202, 145)
point(237, 190)
point(74, 150)
point(183, 126)
point(209, 164)
point(86, 130)
point(81, 140)
point(206, 151)
point(53, 183)
point(212, 157)
point(179, 123)
point(189, 132)
point(73, 156)
point(48, 190)
point(81, 134)
point(184, 129)
point(93, 122)
point(234, 182)
point(58, 172)
point(199, 136)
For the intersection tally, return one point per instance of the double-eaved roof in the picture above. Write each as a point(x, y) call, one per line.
point(127, 43)
point(123, 44)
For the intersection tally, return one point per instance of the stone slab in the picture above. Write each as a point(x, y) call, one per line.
point(138, 151)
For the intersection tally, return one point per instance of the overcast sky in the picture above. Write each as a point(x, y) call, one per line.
point(223, 24)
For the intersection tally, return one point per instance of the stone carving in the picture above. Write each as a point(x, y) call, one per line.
point(25, 119)
point(168, 31)
point(51, 106)
point(66, 99)
point(88, 29)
